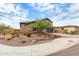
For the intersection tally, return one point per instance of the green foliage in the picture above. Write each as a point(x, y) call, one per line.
point(41, 24)
point(73, 32)
point(3, 26)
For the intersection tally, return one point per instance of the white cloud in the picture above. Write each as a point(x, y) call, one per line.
point(12, 14)
point(13, 9)
point(62, 17)
point(5, 21)
point(43, 6)
point(67, 22)
point(74, 7)
point(71, 19)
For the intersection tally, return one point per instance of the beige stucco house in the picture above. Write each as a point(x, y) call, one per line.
point(65, 29)
point(28, 24)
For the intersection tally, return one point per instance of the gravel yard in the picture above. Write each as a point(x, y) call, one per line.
point(23, 40)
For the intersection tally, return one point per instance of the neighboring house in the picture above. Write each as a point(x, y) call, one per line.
point(27, 24)
point(65, 29)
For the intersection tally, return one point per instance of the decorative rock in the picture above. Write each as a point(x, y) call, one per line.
point(33, 41)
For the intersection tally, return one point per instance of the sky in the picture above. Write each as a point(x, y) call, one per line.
point(59, 13)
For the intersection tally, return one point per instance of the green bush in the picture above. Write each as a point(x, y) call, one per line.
point(72, 32)
point(29, 35)
point(23, 41)
point(40, 24)
point(3, 26)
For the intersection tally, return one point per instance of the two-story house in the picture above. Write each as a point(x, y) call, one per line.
point(28, 24)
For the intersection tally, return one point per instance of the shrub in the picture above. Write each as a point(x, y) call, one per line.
point(72, 31)
point(23, 41)
point(8, 31)
point(17, 35)
point(8, 37)
point(29, 34)
point(3, 26)
point(17, 31)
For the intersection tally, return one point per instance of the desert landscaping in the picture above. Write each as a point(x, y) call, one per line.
point(40, 36)
point(26, 36)
point(23, 40)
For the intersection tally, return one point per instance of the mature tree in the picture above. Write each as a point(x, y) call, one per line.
point(41, 24)
point(3, 26)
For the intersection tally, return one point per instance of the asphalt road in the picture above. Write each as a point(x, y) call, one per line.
point(72, 51)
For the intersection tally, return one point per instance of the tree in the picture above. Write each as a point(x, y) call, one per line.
point(41, 24)
point(3, 26)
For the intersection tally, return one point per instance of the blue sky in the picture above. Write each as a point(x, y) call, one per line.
point(60, 13)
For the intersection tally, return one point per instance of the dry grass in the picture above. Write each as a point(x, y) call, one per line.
point(9, 31)
point(17, 31)
point(8, 37)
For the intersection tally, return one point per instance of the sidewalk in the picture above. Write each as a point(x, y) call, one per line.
point(40, 49)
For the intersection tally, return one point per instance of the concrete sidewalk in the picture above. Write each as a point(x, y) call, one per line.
point(40, 49)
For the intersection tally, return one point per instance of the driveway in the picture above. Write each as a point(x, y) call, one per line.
point(40, 49)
